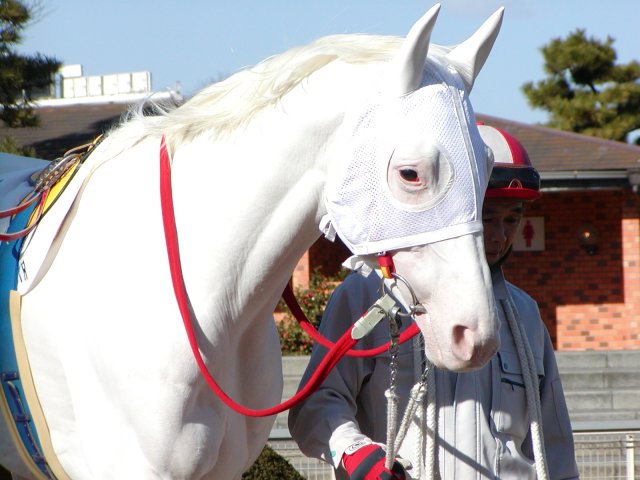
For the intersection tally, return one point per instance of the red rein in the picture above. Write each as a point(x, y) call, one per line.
point(336, 350)
point(306, 325)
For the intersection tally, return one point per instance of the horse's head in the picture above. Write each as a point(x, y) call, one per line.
point(413, 186)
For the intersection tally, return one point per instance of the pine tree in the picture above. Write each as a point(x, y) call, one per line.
point(20, 75)
point(586, 91)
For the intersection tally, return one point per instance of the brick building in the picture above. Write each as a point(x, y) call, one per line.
point(589, 295)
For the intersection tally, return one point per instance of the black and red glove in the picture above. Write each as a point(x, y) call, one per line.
point(366, 462)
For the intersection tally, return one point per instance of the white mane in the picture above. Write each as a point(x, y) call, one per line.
point(227, 105)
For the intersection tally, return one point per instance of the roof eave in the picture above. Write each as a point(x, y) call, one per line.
point(587, 180)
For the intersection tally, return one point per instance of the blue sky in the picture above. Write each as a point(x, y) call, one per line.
point(195, 42)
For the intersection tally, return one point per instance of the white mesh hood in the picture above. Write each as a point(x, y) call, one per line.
point(359, 202)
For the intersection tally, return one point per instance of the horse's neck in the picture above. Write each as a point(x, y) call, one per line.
point(262, 197)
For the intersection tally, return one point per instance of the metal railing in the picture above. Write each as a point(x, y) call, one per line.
point(602, 455)
point(608, 455)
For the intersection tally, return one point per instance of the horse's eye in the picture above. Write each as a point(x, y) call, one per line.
point(409, 175)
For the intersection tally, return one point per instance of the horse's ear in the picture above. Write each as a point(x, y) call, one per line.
point(407, 67)
point(468, 58)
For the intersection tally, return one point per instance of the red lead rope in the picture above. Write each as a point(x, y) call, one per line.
point(306, 325)
point(171, 235)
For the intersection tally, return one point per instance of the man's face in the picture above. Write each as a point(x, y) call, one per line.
point(500, 218)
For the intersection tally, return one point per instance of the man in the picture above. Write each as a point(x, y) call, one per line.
point(483, 424)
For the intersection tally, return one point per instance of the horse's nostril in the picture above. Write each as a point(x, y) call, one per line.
point(463, 344)
point(470, 346)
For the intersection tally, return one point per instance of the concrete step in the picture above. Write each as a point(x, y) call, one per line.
point(598, 361)
point(294, 365)
point(583, 360)
point(580, 379)
point(601, 386)
point(567, 362)
point(603, 399)
point(606, 416)
point(290, 387)
point(623, 360)
point(281, 421)
point(580, 371)
point(598, 385)
point(292, 369)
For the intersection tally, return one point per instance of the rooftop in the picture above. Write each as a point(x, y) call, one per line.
point(554, 150)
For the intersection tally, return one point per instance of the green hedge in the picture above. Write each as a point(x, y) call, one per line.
point(312, 300)
point(270, 466)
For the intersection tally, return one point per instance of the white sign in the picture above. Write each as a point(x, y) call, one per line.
point(99, 85)
point(530, 235)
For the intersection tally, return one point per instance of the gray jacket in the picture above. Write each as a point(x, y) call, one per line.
point(483, 430)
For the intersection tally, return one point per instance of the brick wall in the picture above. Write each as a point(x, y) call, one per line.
point(328, 255)
point(588, 302)
point(325, 255)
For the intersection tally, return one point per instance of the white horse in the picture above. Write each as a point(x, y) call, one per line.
point(373, 136)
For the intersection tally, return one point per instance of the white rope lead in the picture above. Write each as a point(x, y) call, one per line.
point(421, 441)
point(391, 394)
point(530, 377)
point(392, 418)
point(432, 428)
point(415, 399)
point(423, 413)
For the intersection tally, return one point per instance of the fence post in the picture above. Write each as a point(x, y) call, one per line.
point(631, 467)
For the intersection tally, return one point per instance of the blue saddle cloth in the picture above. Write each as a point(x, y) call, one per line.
point(15, 180)
point(15, 184)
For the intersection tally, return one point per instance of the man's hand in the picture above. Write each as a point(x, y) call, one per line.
point(365, 461)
